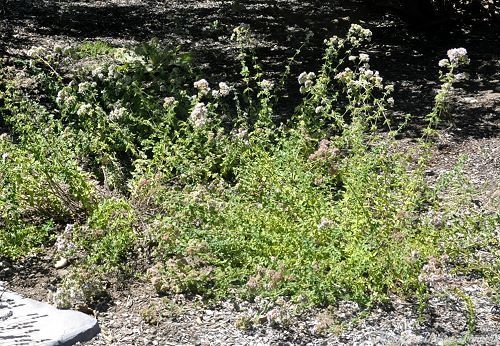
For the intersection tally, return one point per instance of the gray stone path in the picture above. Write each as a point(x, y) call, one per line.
point(25, 321)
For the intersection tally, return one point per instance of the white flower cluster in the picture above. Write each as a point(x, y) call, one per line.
point(117, 113)
point(364, 57)
point(199, 115)
point(266, 85)
point(306, 81)
point(365, 79)
point(357, 34)
point(105, 73)
point(223, 91)
point(168, 102)
point(86, 87)
point(202, 86)
point(98, 72)
point(458, 56)
point(446, 88)
point(241, 134)
point(84, 109)
point(65, 98)
point(345, 75)
point(126, 56)
point(444, 63)
point(334, 41)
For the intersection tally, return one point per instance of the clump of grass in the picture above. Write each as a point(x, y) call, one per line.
point(141, 158)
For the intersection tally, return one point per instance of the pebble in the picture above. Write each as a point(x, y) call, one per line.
point(63, 262)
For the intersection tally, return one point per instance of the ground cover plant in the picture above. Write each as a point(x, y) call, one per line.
point(123, 159)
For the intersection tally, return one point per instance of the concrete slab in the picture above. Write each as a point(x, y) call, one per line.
point(25, 321)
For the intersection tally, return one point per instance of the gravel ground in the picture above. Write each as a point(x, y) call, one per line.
point(134, 314)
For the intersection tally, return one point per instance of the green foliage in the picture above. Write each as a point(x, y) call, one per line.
point(221, 199)
point(18, 239)
point(40, 174)
point(109, 236)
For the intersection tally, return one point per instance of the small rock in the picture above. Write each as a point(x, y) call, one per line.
point(63, 262)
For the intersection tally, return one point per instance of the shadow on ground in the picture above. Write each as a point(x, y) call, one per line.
point(404, 55)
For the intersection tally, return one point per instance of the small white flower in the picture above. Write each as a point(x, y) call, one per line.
point(318, 109)
point(389, 88)
point(224, 89)
point(357, 33)
point(97, 71)
point(84, 109)
point(84, 87)
point(446, 86)
point(377, 80)
point(344, 75)
point(443, 63)
point(333, 41)
point(364, 57)
point(202, 86)
point(168, 101)
point(302, 78)
point(62, 95)
point(352, 57)
point(458, 56)
point(390, 101)
point(5, 156)
point(117, 113)
point(242, 134)
point(307, 80)
point(70, 101)
point(324, 223)
point(199, 115)
point(266, 85)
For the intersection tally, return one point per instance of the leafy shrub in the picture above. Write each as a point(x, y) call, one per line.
point(109, 235)
point(223, 200)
